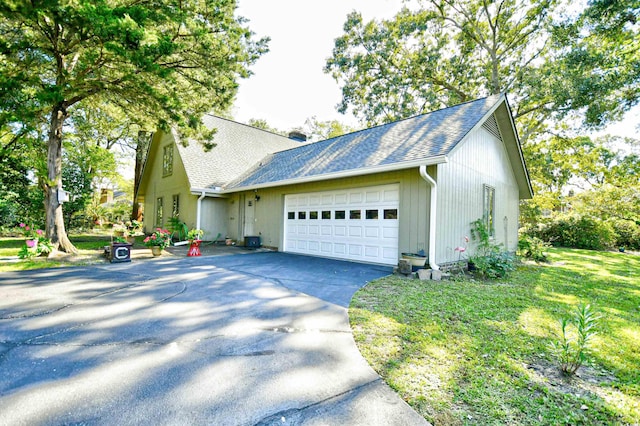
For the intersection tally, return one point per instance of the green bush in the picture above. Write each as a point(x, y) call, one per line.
point(490, 260)
point(580, 232)
point(627, 234)
point(532, 248)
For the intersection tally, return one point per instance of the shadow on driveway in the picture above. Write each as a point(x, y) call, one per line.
point(229, 340)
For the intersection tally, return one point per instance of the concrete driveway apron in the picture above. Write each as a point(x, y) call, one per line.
point(254, 339)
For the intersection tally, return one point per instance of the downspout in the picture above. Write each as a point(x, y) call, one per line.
point(432, 216)
point(198, 210)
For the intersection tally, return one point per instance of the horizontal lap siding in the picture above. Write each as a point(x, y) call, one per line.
point(413, 210)
point(481, 159)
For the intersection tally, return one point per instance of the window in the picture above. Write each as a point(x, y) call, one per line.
point(313, 215)
point(355, 214)
point(302, 215)
point(291, 215)
point(167, 160)
point(326, 214)
point(489, 208)
point(340, 214)
point(159, 218)
point(175, 208)
point(390, 213)
point(371, 214)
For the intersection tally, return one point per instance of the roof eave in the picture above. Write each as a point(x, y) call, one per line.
point(440, 159)
point(208, 192)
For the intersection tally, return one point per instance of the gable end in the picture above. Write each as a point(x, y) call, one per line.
point(491, 126)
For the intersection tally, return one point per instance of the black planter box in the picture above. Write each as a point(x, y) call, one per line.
point(252, 242)
point(120, 253)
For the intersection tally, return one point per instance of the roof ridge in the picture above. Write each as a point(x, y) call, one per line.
point(246, 125)
point(367, 129)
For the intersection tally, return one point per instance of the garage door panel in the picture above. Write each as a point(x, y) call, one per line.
point(372, 232)
point(372, 251)
point(390, 232)
point(339, 248)
point(356, 224)
point(355, 250)
point(355, 231)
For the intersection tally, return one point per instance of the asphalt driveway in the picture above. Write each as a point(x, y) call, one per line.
point(261, 338)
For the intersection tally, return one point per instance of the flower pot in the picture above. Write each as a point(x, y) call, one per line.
point(156, 250)
point(194, 248)
point(415, 259)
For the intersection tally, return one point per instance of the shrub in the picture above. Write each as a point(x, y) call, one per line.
point(581, 232)
point(572, 353)
point(627, 233)
point(490, 260)
point(532, 248)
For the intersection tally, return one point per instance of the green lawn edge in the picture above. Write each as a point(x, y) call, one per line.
point(472, 352)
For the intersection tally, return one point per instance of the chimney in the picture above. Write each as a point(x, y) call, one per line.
point(298, 136)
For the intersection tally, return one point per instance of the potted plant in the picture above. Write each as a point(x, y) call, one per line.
point(195, 238)
point(158, 241)
point(134, 229)
point(35, 243)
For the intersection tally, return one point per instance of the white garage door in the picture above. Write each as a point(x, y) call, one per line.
point(356, 224)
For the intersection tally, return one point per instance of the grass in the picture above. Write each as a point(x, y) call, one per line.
point(90, 248)
point(470, 352)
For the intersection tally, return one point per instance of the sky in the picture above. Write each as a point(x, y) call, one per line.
point(289, 84)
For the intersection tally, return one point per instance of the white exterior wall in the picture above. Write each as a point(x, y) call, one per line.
point(214, 217)
point(480, 159)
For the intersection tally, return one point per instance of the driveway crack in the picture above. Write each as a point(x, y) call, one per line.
point(293, 415)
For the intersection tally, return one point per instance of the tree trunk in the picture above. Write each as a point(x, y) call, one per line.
point(144, 139)
point(54, 229)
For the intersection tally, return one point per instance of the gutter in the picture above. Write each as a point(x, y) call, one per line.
point(433, 197)
point(198, 209)
point(204, 192)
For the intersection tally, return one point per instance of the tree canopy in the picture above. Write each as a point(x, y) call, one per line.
point(163, 63)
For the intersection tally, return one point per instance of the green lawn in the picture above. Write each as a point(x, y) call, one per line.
point(471, 352)
point(90, 248)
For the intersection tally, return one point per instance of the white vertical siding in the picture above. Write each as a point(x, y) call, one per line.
point(480, 159)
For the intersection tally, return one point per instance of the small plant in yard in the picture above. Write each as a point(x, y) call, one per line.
point(573, 352)
point(35, 244)
point(490, 260)
point(532, 248)
point(160, 238)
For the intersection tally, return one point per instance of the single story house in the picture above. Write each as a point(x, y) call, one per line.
point(407, 186)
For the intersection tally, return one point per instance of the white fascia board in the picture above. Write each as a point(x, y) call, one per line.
point(208, 192)
point(440, 159)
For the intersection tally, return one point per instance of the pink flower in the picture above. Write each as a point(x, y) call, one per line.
point(460, 249)
point(31, 243)
point(22, 225)
point(466, 239)
point(39, 232)
point(26, 228)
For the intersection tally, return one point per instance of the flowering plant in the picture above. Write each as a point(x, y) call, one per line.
point(160, 238)
point(30, 232)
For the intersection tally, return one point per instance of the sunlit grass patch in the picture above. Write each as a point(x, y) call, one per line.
point(466, 352)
